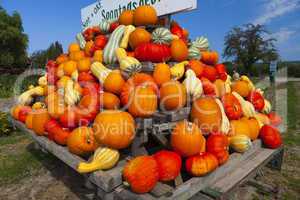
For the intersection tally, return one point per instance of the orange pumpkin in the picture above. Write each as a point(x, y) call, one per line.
point(109, 101)
point(39, 119)
point(141, 174)
point(74, 47)
point(210, 57)
point(162, 73)
point(84, 65)
point(241, 87)
point(138, 79)
point(179, 50)
point(207, 115)
point(202, 164)
point(139, 36)
point(77, 55)
point(98, 56)
point(28, 121)
point(173, 95)
point(218, 145)
point(145, 15)
point(197, 67)
point(23, 113)
point(114, 82)
point(69, 67)
point(14, 111)
point(142, 102)
point(126, 17)
point(187, 139)
point(254, 127)
point(115, 129)
point(240, 127)
point(81, 141)
point(88, 47)
point(62, 58)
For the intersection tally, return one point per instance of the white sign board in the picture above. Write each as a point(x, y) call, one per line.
point(111, 9)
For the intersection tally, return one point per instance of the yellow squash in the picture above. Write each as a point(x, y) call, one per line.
point(240, 143)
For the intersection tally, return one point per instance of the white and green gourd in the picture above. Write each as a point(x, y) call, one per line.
point(109, 54)
point(104, 26)
point(194, 53)
point(72, 96)
point(128, 65)
point(80, 40)
point(201, 43)
point(162, 36)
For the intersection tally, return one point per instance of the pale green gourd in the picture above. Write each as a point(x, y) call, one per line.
point(194, 53)
point(201, 43)
point(104, 26)
point(109, 55)
point(162, 36)
point(80, 40)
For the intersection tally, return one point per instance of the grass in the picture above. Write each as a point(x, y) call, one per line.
point(18, 159)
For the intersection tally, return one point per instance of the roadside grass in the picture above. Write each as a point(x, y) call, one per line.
point(7, 82)
point(18, 158)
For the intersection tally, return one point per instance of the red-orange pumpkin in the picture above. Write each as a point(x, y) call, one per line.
point(187, 139)
point(232, 106)
point(142, 174)
point(202, 164)
point(270, 137)
point(218, 145)
point(169, 164)
point(210, 57)
point(143, 102)
point(24, 111)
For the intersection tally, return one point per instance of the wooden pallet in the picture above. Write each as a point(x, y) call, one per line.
point(108, 184)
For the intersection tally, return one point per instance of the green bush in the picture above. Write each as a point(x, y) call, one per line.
point(5, 126)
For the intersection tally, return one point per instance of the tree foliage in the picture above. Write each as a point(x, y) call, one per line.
point(249, 44)
point(40, 58)
point(13, 40)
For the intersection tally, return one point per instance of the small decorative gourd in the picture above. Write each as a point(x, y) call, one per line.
point(125, 40)
point(194, 53)
point(104, 26)
point(43, 81)
point(100, 71)
point(26, 97)
point(247, 107)
point(240, 143)
point(162, 36)
point(250, 83)
point(109, 55)
point(225, 124)
point(80, 40)
point(128, 65)
point(72, 96)
point(192, 84)
point(267, 108)
point(201, 43)
point(103, 159)
point(177, 71)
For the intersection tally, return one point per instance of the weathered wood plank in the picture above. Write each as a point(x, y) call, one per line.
point(178, 181)
point(142, 124)
point(162, 190)
point(123, 193)
point(137, 146)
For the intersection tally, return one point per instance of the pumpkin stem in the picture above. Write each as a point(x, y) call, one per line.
point(88, 137)
point(189, 126)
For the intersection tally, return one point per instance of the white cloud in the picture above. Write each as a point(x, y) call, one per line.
point(283, 35)
point(276, 8)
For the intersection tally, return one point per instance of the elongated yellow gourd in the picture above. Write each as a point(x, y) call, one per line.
point(100, 71)
point(26, 97)
point(104, 158)
point(177, 71)
point(128, 30)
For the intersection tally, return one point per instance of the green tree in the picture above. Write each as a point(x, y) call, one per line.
point(40, 58)
point(249, 44)
point(13, 40)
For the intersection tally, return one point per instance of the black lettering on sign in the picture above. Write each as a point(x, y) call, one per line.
point(134, 5)
point(141, 3)
point(153, 2)
point(103, 14)
point(147, 2)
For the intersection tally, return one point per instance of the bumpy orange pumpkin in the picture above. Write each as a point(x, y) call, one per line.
point(145, 15)
point(210, 57)
point(202, 164)
point(139, 36)
point(162, 73)
point(109, 101)
point(81, 141)
point(218, 145)
point(142, 102)
point(115, 129)
point(126, 17)
point(207, 115)
point(179, 50)
point(114, 82)
point(141, 173)
point(173, 95)
point(39, 119)
point(187, 139)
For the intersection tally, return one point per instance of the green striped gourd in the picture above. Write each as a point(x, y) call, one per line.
point(162, 36)
point(201, 43)
point(80, 40)
point(104, 26)
point(109, 54)
point(194, 53)
point(240, 143)
point(128, 65)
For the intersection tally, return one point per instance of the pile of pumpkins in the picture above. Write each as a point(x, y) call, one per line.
point(91, 108)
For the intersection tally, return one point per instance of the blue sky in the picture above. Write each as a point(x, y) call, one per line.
point(48, 21)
